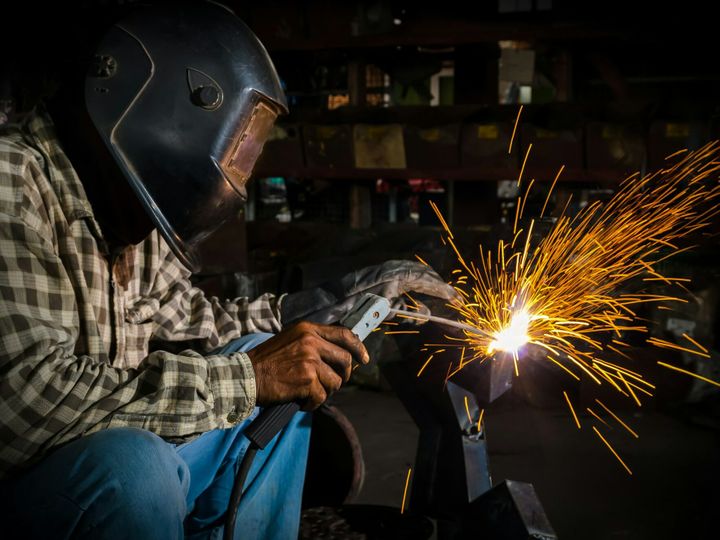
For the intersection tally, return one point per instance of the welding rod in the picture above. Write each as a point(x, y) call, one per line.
point(439, 320)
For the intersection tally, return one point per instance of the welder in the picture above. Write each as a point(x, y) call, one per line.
point(124, 389)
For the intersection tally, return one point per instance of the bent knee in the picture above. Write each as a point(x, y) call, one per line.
point(134, 468)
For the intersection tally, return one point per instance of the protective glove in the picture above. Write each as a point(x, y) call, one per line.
point(330, 302)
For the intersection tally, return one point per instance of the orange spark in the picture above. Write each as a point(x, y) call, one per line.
point(596, 416)
point(467, 410)
point(512, 137)
point(407, 483)
point(623, 424)
point(425, 365)
point(480, 419)
point(613, 451)
point(572, 410)
point(522, 169)
point(686, 372)
point(691, 340)
point(670, 345)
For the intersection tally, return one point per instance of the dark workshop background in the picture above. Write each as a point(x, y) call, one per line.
point(394, 104)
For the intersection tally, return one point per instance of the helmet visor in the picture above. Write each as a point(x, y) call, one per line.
point(240, 157)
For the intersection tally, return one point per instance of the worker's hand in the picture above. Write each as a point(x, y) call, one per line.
point(331, 301)
point(305, 363)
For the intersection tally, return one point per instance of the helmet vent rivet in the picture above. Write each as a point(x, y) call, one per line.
point(205, 92)
point(207, 97)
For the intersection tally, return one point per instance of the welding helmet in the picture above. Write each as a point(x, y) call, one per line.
point(184, 96)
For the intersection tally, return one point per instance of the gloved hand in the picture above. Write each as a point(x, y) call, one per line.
point(330, 302)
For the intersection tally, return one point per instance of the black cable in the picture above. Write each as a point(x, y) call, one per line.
point(237, 491)
point(260, 432)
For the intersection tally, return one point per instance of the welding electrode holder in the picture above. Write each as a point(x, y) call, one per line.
point(362, 320)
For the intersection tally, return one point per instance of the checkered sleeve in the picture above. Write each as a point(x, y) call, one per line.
point(185, 313)
point(49, 396)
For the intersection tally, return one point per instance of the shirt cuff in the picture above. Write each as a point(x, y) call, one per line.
point(278, 307)
point(232, 383)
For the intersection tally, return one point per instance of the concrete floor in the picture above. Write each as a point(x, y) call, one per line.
point(585, 491)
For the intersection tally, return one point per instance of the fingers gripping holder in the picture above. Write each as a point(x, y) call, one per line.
point(362, 320)
point(365, 317)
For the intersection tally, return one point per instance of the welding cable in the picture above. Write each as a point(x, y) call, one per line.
point(237, 491)
point(260, 432)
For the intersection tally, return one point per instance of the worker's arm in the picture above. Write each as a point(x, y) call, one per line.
point(49, 396)
point(184, 313)
point(304, 362)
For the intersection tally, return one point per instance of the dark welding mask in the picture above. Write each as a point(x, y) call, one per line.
point(184, 97)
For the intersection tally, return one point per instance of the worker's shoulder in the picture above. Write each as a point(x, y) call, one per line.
point(21, 172)
point(15, 154)
point(19, 161)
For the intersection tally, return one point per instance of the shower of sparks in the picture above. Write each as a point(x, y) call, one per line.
point(407, 483)
point(572, 296)
point(563, 292)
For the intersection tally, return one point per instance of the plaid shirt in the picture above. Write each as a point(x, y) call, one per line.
point(75, 323)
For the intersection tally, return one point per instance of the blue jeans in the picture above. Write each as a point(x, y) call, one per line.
point(130, 483)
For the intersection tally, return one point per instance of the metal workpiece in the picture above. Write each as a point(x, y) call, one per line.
point(509, 511)
point(451, 464)
point(473, 445)
point(487, 380)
